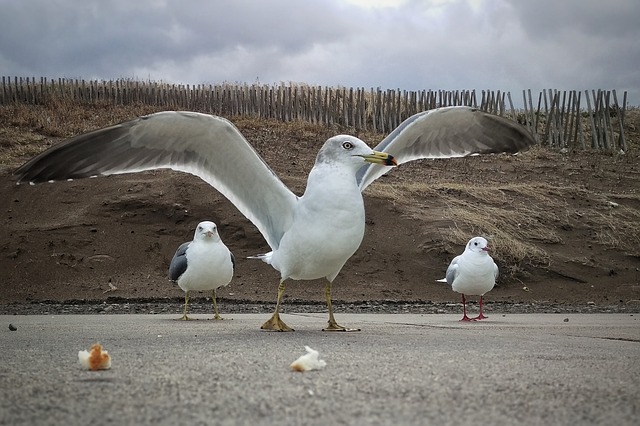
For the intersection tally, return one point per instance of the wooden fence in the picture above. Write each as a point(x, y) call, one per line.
point(559, 119)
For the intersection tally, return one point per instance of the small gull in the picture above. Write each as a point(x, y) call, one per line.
point(202, 264)
point(473, 273)
point(310, 236)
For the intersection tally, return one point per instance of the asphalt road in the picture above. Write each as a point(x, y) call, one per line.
point(537, 369)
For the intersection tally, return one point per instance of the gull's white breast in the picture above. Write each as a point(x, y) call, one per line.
point(328, 227)
point(475, 275)
point(209, 266)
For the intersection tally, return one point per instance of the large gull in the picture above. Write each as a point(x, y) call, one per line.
point(311, 236)
point(473, 273)
point(202, 264)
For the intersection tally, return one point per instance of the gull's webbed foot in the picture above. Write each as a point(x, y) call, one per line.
point(334, 326)
point(275, 324)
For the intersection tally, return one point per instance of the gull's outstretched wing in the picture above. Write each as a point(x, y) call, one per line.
point(447, 132)
point(204, 145)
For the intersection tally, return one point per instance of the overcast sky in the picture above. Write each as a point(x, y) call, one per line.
point(413, 45)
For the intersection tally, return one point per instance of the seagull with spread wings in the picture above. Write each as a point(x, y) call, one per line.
point(310, 236)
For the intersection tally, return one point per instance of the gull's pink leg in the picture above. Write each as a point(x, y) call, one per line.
point(464, 310)
point(480, 317)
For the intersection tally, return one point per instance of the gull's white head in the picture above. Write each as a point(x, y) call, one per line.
point(349, 150)
point(478, 245)
point(206, 231)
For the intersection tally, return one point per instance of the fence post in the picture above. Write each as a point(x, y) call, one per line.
point(620, 111)
point(594, 140)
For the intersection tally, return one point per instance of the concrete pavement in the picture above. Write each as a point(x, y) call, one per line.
point(551, 369)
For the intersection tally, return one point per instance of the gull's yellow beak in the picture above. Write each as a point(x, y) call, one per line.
point(377, 157)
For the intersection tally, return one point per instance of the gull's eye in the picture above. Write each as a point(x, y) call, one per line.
point(347, 145)
point(199, 228)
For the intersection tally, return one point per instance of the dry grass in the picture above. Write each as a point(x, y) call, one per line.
point(488, 211)
point(520, 219)
point(615, 226)
point(28, 129)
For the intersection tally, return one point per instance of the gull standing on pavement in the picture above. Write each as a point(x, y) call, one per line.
point(473, 273)
point(202, 264)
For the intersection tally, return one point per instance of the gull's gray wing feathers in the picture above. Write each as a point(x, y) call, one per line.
point(178, 264)
point(204, 145)
point(452, 270)
point(447, 132)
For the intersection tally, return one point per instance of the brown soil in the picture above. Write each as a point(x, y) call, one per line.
point(576, 235)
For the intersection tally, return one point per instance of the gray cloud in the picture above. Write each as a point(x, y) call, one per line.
point(445, 44)
point(602, 19)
